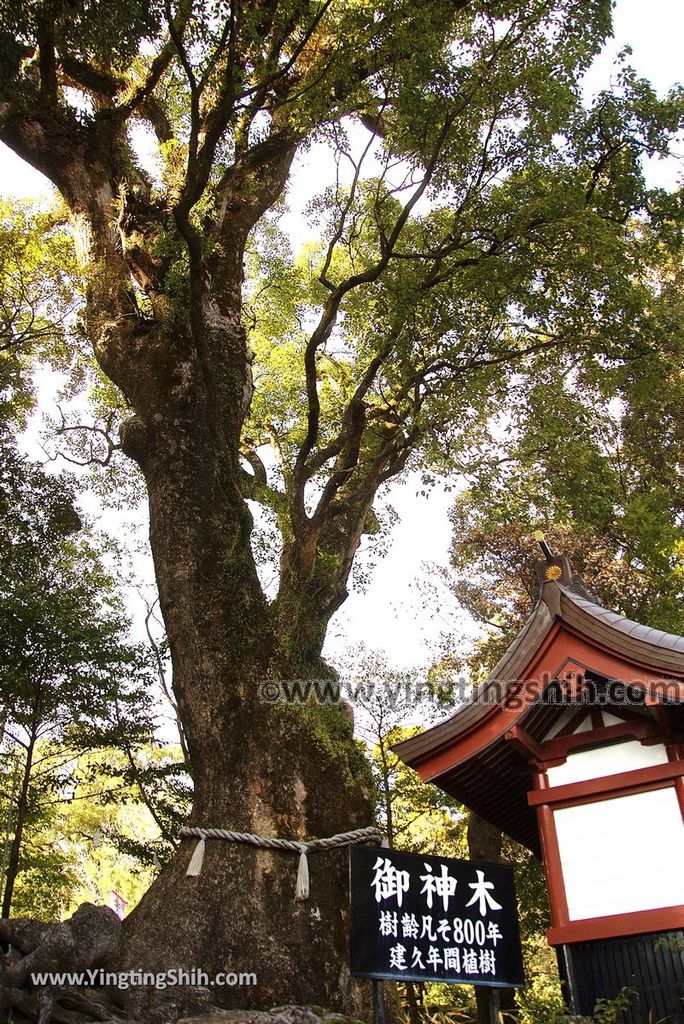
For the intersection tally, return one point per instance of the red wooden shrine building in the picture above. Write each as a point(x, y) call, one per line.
point(574, 746)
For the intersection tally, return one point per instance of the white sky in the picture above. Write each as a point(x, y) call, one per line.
point(393, 615)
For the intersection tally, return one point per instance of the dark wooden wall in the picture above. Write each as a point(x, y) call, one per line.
point(651, 964)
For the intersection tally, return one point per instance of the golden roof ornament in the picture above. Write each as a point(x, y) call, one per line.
point(552, 568)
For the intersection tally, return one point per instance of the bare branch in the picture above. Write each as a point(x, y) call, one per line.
point(161, 675)
point(341, 221)
point(103, 433)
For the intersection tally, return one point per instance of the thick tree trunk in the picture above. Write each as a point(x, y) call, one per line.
point(240, 914)
point(290, 772)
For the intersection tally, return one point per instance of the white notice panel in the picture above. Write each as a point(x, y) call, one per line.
point(609, 760)
point(623, 854)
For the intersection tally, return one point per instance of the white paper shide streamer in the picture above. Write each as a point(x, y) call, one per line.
point(196, 861)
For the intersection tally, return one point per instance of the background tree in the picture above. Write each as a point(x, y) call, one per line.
point(483, 222)
point(421, 818)
point(68, 672)
point(37, 300)
point(89, 832)
point(414, 817)
point(592, 457)
point(388, 705)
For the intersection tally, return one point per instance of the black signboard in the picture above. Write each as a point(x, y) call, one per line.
point(433, 919)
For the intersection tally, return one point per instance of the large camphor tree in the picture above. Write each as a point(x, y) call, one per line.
point(481, 218)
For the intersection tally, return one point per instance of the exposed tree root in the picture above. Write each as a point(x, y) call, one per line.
point(90, 941)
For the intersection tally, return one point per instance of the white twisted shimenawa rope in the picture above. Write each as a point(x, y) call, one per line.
point(359, 835)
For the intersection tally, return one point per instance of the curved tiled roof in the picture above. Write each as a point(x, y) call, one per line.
point(662, 650)
point(570, 604)
point(492, 778)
